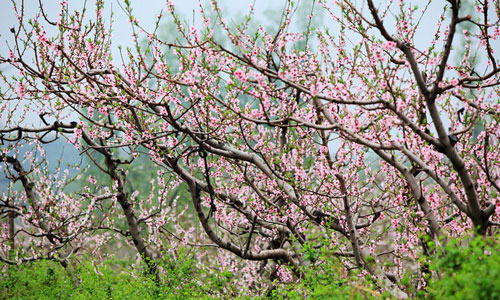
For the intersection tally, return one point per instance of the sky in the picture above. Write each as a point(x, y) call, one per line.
point(145, 11)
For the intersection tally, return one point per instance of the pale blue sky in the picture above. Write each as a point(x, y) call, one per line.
point(144, 11)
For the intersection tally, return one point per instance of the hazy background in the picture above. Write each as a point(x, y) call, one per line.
point(267, 13)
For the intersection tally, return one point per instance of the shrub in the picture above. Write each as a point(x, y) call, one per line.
point(468, 272)
point(48, 280)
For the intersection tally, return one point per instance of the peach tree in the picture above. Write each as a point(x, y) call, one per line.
point(368, 135)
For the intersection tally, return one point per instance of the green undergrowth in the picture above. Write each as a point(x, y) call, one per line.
point(459, 272)
point(181, 279)
point(112, 279)
point(471, 272)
